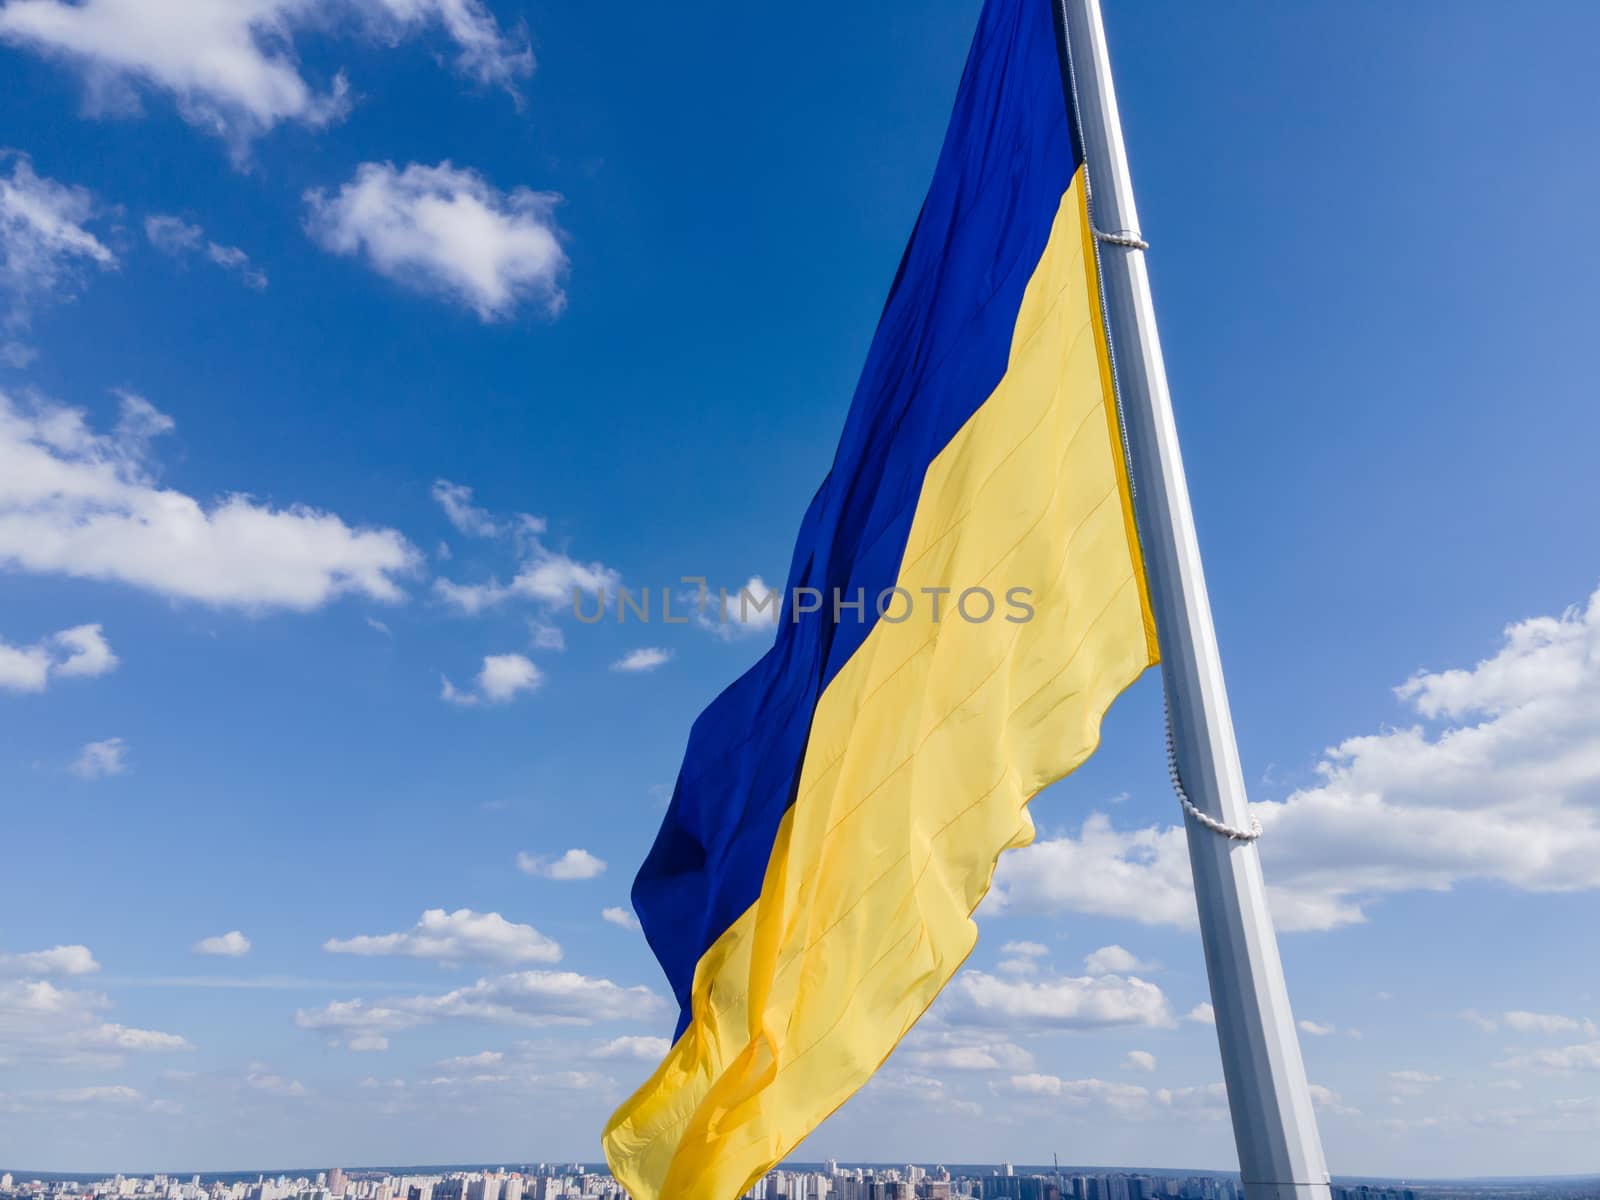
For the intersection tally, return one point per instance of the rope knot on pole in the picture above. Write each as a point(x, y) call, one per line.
point(1121, 238)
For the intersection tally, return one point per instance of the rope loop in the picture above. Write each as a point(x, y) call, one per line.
point(1228, 831)
point(1131, 240)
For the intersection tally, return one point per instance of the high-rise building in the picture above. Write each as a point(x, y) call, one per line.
point(336, 1181)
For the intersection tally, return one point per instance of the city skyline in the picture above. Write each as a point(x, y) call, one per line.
point(798, 1180)
point(328, 378)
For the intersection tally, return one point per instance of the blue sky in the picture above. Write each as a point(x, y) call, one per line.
point(280, 280)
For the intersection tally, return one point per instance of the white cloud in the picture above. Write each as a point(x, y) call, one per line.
point(550, 579)
point(47, 1025)
point(56, 961)
point(1114, 960)
point(460, 511)
point(232, 944)
point(448, 231)
point(1504, 788)
point(525, 1070)
point(553, 578)
point(977, 999)
point(1123, 1099)
point(101, 1094)
point(934, 1049)
point(620, 917)
point(81, 651)
point(172, 235)
point(1021, 958)
point(1549, 1023)
point(175, 236)
point(231, 65)
point(45, 248)
point(89, 654)
point(502, 678)
point(84, 504)
point(749, 611)
point(117, 1094)
point(473, 1062)
point(646, 658)
point(470, 598)
point(1413, 1078)
point(120, 1037)
point(898, 1088)
point(483, 52)
point(527, 998)
point(456, 937)
point(1316, 1028)
point(1025, 950)
point(519, 1079)
point(546, 637)
point(1583, 1056)
point(1409, 1084)
point(231, 258)
point(1140, 1060)
point(1201, 1014)
point(1140, 874)
point(505, 675)
point(547, 577)
point(1327, 1098)
point(642, 1049)
point(574, 864)
point(264, 1079)
point(24, 669)
point(1017, 966)
point(97, 760)
point(1206, 1100)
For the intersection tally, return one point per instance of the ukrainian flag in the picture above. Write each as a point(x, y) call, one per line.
point(841, 807)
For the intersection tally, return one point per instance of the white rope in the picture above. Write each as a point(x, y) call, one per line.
point(1131, 240)
point(1189, 806)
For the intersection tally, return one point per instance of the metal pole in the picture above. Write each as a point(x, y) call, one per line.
point(1280, 1151)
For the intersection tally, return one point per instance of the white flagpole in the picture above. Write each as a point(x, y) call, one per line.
point(1280, 1150)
